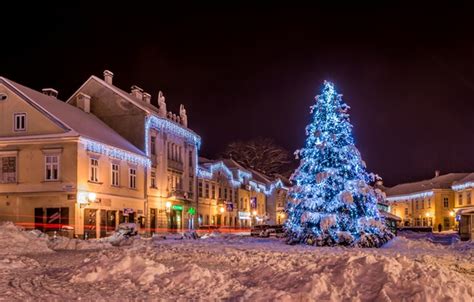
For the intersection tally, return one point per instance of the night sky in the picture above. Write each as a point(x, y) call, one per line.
point(243, 72)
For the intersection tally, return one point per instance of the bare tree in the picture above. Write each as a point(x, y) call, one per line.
point(260, 154)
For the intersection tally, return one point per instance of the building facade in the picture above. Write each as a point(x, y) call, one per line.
point(63, 167)
point(233, 196)
point(464, 206)
point(164, 137)
point(426, 203)
point(108, 156)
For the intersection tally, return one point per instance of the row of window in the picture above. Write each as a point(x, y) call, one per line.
point(210, 190)
point(8, 172)
point(175, 152)
point(468, 198)
point(421, 205)
point(115, 174)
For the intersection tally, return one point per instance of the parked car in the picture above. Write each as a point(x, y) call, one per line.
point(276, 230)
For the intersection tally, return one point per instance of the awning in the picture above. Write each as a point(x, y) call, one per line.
point(388, 215)
point(465, 211)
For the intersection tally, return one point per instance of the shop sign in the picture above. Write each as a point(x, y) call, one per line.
point(127, 211)
point(244, 215)
point(229, 206)
point(177, 207)
point(192, 211)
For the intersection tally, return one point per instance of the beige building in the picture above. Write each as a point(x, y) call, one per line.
point(108, 156)
point(170, 199)
point(427, 203)
point(464, 206)
point(63, 167)
point(233, 196)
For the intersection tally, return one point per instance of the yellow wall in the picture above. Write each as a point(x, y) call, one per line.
point(428, 207)
point(36, 122)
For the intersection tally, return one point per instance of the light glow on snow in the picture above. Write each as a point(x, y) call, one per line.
point(240, 180)
point(463, 186)
point(166, 126)
point(410, 196)
point(100, 148)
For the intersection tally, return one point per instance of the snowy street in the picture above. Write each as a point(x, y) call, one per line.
point(232, 267)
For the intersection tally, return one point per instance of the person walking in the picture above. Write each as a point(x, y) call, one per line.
point(440, 227)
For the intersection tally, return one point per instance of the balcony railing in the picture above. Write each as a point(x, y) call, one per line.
point(181, 194)
point(175, 165)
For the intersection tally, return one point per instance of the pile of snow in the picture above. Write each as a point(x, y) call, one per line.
point(64, 243)
point(242, 268)
point(126, 267)
point(14, 240)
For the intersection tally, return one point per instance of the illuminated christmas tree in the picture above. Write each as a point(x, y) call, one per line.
point(332, 201)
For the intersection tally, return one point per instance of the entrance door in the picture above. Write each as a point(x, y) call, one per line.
point(111, 221)
point(39, 224)
point(103, 223)
point(90, 223)
point(175, 220)
point(153, 220)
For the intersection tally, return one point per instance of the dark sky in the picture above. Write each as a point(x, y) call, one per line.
point(407, 72)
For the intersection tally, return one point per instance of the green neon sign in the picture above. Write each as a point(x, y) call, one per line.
point(192, 211)
point(177, 207)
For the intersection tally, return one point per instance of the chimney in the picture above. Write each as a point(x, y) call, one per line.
point(51, 92)
point(137, 92)
point(147, 97)
point(108, 76)
point(379, 183)
point(83, 102)
point(437, 173)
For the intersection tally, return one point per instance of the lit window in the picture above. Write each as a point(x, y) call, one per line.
point(51, 167)
point(468, 198)
point(445, 202)
point(115, 175)
point(460, 199)
point(153, 145)
point(8, 171)
point(190, 159)
point(3, 96)
point(153, 179)
point(207, 190)
point(19, 121)
point(94, 170)
point(213, 191)
point(200, 189)
point(132, 178)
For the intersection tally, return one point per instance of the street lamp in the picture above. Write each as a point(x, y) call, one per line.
point(221, 210)
point(91, 196)
point(452, 213)
point(254, 213)
point(168, 204)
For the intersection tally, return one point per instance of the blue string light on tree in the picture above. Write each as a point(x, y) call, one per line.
point(332, 201)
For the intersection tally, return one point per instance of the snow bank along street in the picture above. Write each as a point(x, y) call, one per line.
point(231, 267)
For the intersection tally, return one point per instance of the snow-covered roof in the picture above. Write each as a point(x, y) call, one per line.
point(75, 121)
point(149, 108)
point(389, 215)
point(441, 182)
point(260, 177)
point(464, 183)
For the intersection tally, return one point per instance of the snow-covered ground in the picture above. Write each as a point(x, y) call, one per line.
point(231, 267)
